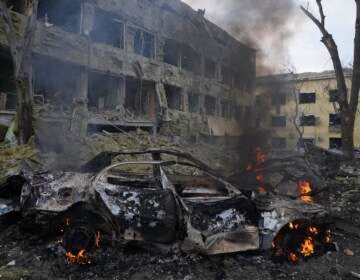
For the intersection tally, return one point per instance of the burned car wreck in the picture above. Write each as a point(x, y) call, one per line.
point(171, 200)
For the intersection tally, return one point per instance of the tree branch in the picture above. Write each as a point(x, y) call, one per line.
point(321, 12)
point(315, 20)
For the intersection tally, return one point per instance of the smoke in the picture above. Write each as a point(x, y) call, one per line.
point(266, 25)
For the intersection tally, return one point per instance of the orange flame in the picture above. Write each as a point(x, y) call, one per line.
point(313, 230)
point(305, 189)
point(80, 258)
point(307, 247)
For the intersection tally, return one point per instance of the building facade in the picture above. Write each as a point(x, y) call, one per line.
point(303, 104)
point(134, 64)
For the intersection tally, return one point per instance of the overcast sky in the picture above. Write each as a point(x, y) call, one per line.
point(305, 51)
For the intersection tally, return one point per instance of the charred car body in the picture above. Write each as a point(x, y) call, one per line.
point(160, 201)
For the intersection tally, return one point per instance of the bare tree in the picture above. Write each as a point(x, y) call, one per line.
point(20, 44)
point(348, 106)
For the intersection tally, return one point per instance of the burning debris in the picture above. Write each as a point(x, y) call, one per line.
point(289, 176)
point(302, 239)
point(305, 190)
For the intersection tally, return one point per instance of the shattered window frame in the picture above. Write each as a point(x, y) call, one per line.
point(190, 59)
point(335, 143)
point(306, 141)
point(334, 120)
point(112, 20)
point(225, 109)
point(307, 97)
point(109, 93)
point(135, 30)
point(194, 102)
point(170, 54)
point(308, 120)
point(333, 95)
point(174, 97)
point(210, 105)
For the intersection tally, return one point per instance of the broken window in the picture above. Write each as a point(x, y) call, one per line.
point(333, 95)
point(182, 56)
point(308, 120)
point(140, 42)
point(210, 69)
point(335, 143)
point(278, 99)
point(278, 142)
point(190, 60)
point(307, 97)
point(140, 98)
point(225, 109)
point(172, 52)
point(103, 91)
point(107, 29)
point(334, 120)
point(227, 76)
point(210, 105)
point(306, 142)
point(194, 103)
point(63, 13)
point(174, 97)
point(7, 87)
point(56, 83)
point(278, 121)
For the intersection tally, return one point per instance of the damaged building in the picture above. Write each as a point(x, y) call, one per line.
point(305, 104)
point(127, 64)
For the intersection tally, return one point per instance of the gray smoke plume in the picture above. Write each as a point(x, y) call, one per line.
point(266, 25)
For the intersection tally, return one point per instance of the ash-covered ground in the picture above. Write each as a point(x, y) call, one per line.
point(25, 257)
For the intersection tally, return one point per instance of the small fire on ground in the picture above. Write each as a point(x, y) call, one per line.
point(300, 240)
point(80, 258)
point(81, 255)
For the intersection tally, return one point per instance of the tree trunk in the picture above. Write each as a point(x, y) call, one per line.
point(347, 133)
point(24, 90)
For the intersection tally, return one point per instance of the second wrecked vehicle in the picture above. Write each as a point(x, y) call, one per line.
point(162, 201)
